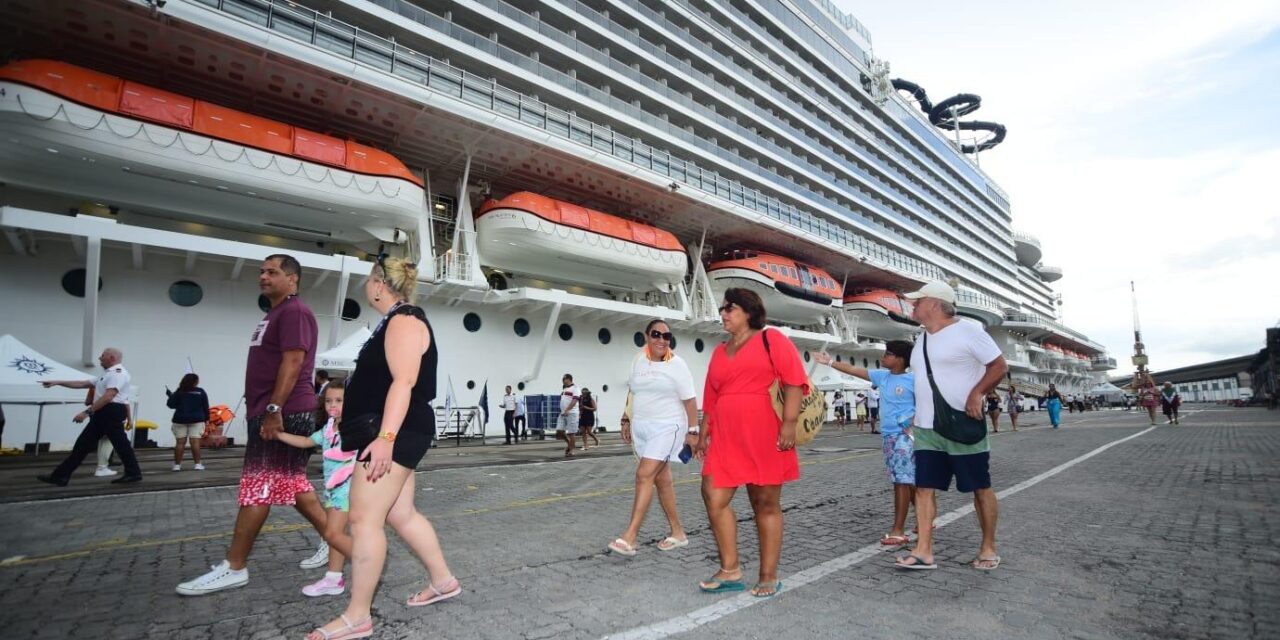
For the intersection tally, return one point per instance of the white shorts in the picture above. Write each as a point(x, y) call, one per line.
point(193, 430)
point(567, 422)
point(658, 441)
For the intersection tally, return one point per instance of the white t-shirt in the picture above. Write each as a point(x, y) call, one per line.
point(509, 402)
point(567, 396)
point(960, 354)
point(520, 406)
point(873, 399)
point(113, 378)
point(659, 390)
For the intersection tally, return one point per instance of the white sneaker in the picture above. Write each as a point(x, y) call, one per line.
point(318, 559)
point(104, 472)
point(199, 467)
point(177, 467)
point(220, 578)
point(329, 585)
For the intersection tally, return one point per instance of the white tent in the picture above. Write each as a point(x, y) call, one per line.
point(1108, 391)
point(22, 369)
point(835, 381)
point(342, 357)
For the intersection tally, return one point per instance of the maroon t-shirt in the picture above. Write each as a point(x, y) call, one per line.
point(287, 327)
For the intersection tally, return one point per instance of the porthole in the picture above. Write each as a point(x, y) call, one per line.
point(604, 388)
point(521, 327)
point(699, 345)
point(837, 357)
point(471, 322)
point(520, 386)
point(185, 293)
point(864, 363)
point(605, 336)
point(471, 384)
point(806, 356)
point(565, 331)
point(264, 303)
point(639, 339)
point(877, 364)
point(73, 282)
point(350, 309)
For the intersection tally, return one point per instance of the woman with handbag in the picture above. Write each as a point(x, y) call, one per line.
point(743, 440)
point(388, 419)
point(660, 420)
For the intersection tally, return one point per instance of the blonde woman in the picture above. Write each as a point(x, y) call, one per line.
point(663, 420)
point(395, 378)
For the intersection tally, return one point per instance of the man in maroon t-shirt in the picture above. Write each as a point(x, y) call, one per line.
point(280, 398)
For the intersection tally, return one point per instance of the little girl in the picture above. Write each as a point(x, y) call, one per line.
point(338, 465)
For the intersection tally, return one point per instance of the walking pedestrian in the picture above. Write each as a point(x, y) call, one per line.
point(1053, 404)
point(390, 392)
point(1014, 403)
point(567, 421)
point(338, 467)
point(279, 398)
point(838, 403)
point(962, 364)
point(107, 415)
point(509, 416)
point(587, 419)
point(743, 441)
point(1071, 403)
point(899, 408)
point(1148, 395)
point(190, 406)
point(873, 408)
point(662, 421)
point(1170, 400)
point(993, 410)
point(860, 409)
point(520, 419)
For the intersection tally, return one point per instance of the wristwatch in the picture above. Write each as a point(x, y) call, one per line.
point(273, 408)
point(388, 436)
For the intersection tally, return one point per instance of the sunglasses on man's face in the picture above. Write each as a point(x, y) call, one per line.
point(661, 335)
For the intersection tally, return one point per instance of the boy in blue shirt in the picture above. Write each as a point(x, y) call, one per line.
point(897, 409)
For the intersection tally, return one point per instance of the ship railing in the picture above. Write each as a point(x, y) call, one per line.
point(452, 266)
point(337, 37)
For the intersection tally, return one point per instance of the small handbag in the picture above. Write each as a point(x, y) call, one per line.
point(956, 426)
point(360, 431)
point(813, 406)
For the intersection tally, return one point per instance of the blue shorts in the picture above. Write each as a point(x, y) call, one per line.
point(935, 468)
point(898, 458)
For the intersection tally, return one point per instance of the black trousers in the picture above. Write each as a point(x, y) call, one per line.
point(522, 426)
point(106, 422)
point(509, 421)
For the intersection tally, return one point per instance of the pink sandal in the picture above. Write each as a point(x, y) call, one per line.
point(437, 594)
point(348, 631)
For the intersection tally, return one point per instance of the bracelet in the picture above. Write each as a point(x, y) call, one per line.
point(389, 436)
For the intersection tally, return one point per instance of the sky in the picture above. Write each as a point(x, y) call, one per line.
point(1143, 145)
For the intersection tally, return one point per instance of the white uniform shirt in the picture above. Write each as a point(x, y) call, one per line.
point(520, 406)
point(114, 377)
point(960, 354)
point(509, 402)
point(873, 399)
point(659, 390)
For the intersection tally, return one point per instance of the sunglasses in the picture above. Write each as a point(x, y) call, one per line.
point(728, 306)
point(667, 335)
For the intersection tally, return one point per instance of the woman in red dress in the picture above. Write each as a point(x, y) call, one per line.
point(742, 441)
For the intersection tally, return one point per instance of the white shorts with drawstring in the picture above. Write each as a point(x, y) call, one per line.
point(657, 441)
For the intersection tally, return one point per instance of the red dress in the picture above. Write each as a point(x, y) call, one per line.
point(743, 445)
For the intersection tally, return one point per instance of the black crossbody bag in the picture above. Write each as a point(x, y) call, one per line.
point(953, 425)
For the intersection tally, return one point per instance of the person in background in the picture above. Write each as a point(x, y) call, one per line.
point(1170, 400)
point(743, 441)
point(567, 421)
point(993, 410)
point(190, 406)
point(860, 409)
point(839, 408)
point(1053, 404)
point(107, 415)
point(663, 420)
point(321, 380)
point(1014, 403)
point(509, 416)
point(1148, 395)
point(587, 419)
point(521, 420)
point(873, 408)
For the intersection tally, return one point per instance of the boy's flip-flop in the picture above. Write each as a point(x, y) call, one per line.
point(671, 542)
point(917, 563)
point(994, 562)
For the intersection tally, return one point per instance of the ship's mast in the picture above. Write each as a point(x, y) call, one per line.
point(1139, 357)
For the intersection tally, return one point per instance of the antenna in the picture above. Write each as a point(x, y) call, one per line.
point(1139, 357)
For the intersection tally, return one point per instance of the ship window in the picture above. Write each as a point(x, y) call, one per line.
point(471, 322)
point(521, 327)
point(264, 303)
point(773, 268)
point(471, 384)
point(699, 345)
point(73, 282)
point(565, 331)
point(864, 363)
point(764, 266)
point(350, 309)
point(604, 388)
point(185, 293)
point(877, 364)
point(806, 356)
point(639, 339)
point(604, 336)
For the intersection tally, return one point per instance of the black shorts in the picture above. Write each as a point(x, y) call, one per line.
point(934, 470)
point(874, 412)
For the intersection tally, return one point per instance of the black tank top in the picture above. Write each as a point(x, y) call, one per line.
point(368, 385)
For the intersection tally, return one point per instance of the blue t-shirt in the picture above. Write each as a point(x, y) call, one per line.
point(897, 399)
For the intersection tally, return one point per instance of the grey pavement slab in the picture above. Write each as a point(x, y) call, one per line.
point(1171, 534)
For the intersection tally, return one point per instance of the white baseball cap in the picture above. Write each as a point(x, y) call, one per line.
point(934, 289)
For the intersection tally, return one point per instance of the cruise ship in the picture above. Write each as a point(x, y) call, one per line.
point(562, 170)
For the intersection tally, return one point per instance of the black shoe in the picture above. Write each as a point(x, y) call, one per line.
point(51, 479)
point(126, 479)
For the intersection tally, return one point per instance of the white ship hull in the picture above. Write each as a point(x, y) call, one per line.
point(873, 322)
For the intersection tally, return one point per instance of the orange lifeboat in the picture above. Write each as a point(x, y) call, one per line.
point(792, 292)
point(881, 313)
point(76, 131)
point(532, 234)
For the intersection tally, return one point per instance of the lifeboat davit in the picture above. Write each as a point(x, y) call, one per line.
point(76, 131)
point(531, 234)
point(792, 292)
point(881, 313)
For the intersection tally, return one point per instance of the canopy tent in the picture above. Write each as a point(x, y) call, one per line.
point(834, 381)
point(342, 357)
point(22, 369)
point(1108, 391)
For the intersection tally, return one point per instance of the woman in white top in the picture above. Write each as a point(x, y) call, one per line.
point(663, 418)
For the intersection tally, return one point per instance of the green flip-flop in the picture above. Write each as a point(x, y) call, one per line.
point(722, 586)
point(777, 588)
